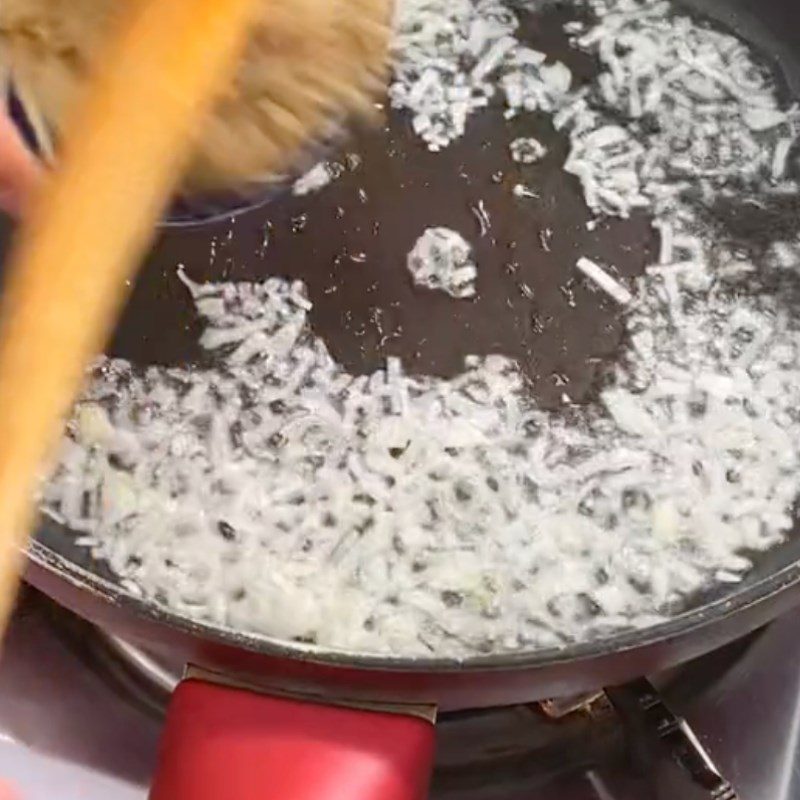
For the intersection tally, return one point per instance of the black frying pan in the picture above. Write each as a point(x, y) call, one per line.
point(160, 326)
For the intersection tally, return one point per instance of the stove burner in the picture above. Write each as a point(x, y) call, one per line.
point(483, 754)
point(653, 729)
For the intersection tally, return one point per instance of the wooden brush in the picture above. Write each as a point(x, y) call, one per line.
point(322, 58)
point(124, 150)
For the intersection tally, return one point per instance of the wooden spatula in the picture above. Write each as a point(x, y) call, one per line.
point(122, 156)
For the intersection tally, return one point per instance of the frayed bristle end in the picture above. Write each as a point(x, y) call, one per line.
point(311, 67)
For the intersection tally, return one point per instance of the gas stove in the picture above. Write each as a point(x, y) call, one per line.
point(80, 716)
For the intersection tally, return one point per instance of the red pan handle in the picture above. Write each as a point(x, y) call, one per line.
point(222, 743)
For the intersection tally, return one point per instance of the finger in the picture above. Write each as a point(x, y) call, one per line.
point(7, 792)
point(19, 172)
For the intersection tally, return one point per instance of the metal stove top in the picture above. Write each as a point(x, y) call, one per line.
point(78, 722)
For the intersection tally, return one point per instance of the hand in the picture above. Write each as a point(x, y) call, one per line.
point(7, 792)
point(19, 173)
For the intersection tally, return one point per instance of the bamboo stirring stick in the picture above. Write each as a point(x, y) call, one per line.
point(68, 275)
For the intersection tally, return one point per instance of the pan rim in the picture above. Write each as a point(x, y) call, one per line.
point(690, 622)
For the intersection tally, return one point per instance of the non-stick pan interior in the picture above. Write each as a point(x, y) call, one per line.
point(374, 212)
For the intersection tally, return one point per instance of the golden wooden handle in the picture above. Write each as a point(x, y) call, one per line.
point(122, 156)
